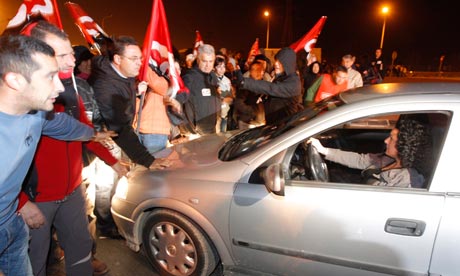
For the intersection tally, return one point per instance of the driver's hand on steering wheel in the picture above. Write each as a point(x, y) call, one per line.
point(317, 144)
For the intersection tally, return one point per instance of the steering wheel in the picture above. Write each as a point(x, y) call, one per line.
point(315, 162)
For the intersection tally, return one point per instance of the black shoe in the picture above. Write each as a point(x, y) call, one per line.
point(110, 234)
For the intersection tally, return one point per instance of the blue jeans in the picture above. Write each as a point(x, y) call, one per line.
point(14, 243)
point(154, 142)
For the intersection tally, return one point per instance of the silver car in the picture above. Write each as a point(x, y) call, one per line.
point(264, 202)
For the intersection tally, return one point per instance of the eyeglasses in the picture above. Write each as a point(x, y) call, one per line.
point(134, 59)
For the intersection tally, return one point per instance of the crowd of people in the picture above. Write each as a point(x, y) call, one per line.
point(73, 122)
point(230, 92)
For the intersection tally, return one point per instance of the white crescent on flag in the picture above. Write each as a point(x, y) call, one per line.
point(45, 8)
point(91, 27)
point(309, 40)
point(309, 44)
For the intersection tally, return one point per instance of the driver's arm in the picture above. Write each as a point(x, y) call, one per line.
point(346, 158)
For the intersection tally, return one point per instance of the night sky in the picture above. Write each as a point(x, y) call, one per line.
point(419, 30)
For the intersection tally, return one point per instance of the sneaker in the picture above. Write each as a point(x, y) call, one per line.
point(99, 267)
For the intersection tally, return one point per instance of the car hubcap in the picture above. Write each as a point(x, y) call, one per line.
point(173, 249)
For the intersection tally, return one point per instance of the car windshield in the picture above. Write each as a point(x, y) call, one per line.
point(251, 139)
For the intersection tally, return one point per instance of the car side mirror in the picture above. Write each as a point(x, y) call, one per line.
point(274, 179)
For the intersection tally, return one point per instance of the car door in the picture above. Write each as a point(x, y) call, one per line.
point(334, 229)
point(327, 228)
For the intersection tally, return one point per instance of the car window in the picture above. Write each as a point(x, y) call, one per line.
point(359, 152)
point(249, 140)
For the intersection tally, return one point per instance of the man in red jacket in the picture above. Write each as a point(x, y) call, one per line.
point(57, 198)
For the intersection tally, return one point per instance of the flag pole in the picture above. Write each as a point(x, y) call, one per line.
point(146, 52)
point(139, 113)
point(58, 15)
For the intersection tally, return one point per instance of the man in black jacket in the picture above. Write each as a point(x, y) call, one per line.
point(284, 92)
point(204, 104)
point(114, 84)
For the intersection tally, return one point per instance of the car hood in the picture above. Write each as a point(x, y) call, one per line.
point(195, 153)
point(192, 160)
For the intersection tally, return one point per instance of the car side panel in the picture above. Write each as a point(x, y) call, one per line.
point(331, 230)
point(445, 259)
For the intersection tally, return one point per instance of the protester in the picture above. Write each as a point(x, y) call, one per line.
point(114, 84)
point(310, 75)
point(82, 71)
point(97, 175)
point(203, 107)
point(247, 106)
point(151, 119)
point(231, 71)
point(29, 85)
point(113, 80)
point(266, 64)
point(327, 85)
point(226, 92)
point(189, 62)
point(354, 77)
point(56, 192)
point(284, 92)
point(378, 64)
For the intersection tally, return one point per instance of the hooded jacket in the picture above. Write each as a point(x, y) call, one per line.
point(59, 163)
point(116, 99)
point(284, 93)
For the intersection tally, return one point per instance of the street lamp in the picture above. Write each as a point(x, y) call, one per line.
point(267, 15)
point(384, 11)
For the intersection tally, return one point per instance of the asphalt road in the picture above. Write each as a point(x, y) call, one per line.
point(119, 258)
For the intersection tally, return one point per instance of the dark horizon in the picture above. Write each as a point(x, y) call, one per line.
point(419, 30)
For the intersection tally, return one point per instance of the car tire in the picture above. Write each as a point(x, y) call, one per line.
point(177, 246)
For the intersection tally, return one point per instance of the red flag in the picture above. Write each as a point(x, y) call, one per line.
point(198, 43)
point(253, 52)
point(308, 41)
point(31, 10)
point(157, 50)
point(88, 27)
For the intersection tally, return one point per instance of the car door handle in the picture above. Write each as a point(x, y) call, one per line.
point(406, 227)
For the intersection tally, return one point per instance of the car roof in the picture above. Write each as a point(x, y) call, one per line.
point(399, 89)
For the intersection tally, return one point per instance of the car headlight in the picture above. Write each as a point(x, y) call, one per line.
point(122, 188)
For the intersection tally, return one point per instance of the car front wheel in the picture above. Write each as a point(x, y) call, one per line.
point(177, 246)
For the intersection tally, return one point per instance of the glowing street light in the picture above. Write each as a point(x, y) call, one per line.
point(385, 11)
point(267, 15)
